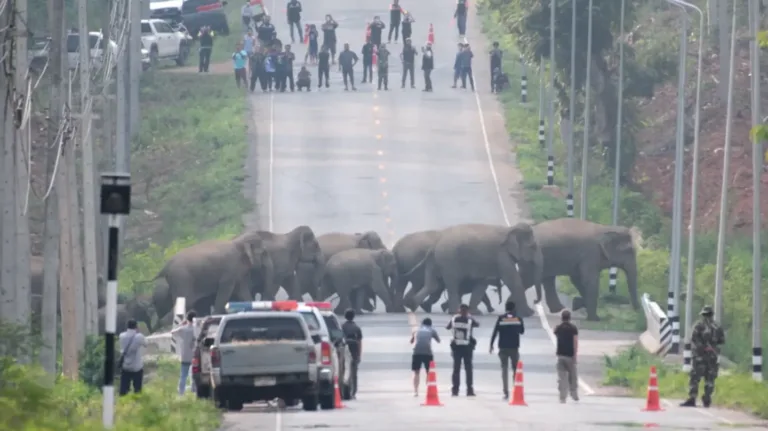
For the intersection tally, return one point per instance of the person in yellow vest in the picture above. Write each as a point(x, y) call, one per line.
point(205, 36)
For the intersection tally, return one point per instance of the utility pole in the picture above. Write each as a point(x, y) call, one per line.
point(571, 113)
point(108, 129)
point(723, 30)
point(617, 164)
point(122, 137)
point(587, 119)
point(551, 107)
point(50, 323)
point(720, 263)
point(134, 57)
point(89, 195)
point(757, 170)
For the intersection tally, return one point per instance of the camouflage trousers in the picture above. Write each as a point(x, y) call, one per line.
point(705, 367)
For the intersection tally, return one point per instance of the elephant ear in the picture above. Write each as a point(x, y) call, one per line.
point(364, 241)
point(615, 242)
point(245, 248)
point(517, 237)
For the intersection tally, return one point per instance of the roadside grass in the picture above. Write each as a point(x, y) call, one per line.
point(28, 404)
point(187, 165)
point(635, 210)
point(630, 369)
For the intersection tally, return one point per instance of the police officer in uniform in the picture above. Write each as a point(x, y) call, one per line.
point(509, 327)
point(462, 346)
point(461, 16)
point(354, 339)
point(706, 339)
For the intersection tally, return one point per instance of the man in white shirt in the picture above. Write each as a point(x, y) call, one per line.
point(186, 335)
point(247, 15)
point(132, 343)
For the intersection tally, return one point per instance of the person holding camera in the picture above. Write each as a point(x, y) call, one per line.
point(509, 327)
point(293, 13)
point(186, 335)
point(427, 65)
point(462, 347)
point(131, 362)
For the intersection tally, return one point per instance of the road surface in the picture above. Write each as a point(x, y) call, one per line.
point(401, 161)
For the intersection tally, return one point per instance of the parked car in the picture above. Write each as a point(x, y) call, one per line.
point(96, 46)
point(201, 361)
point(198, 13)
point(164, 43)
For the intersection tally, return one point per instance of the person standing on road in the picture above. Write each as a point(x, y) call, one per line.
point(286, 63)
point(462, 346)
point(457, 65)
point(496, 55)
point(395, 15)
point(257, 70)
point(422, 351)
point(567, 348)
point(323, 66)
point(240, 58)
point(206, 47)
point(266, 31)
point(186, 335)
point(367, 52)
point(353, 336)
point(427, 64)
point(706, 339)
point(249, 43)
point(383, 67)
point(509, 327)
point(271, 68)
point(293, 12)
point(246, 14)
point(376, 28)
point(461, 17)
point(347, 61)
point(329, 36)
point(131, 365)
point(312, 49)
point(407, 30)
point(466, 67)
point(408, 57)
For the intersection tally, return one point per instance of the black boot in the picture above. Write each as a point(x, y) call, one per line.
point(470, 392)
point(690, 402)
point(706, 400)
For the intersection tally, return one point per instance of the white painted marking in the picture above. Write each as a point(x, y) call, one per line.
point(271, 186)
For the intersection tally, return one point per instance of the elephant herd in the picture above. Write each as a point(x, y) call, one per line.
point(358, 267)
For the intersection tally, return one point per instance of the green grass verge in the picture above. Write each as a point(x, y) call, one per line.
point(635, 210)
point(630, 369)
point(188, 169)
point(27, 404)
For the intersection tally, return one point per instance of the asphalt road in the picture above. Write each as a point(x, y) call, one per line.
point(401, 161)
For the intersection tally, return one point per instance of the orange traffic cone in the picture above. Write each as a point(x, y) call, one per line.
point(375, 55)
point(432, 397)
point(337, 394)
point(306, 34)
point(431, 35)
point(518, 395)
point(653, 403)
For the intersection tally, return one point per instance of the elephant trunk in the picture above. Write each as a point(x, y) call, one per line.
point(630, 271)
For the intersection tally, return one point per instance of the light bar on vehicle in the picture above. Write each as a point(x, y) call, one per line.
point(237, 307)
point(320, 305)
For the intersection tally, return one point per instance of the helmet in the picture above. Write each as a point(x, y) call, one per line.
point(707, 310)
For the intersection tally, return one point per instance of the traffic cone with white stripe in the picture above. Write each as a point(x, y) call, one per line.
point(518, 395)
point(337, 394)
point(653, 401)
point(431, 34)
point(433, 399)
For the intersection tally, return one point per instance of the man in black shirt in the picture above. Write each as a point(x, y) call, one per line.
point(377, 27)
point(461, 16)
point(323, 66)
point(367, 62)
point(286, 63)
point(567, 347)
point(266, 32)
point(408, 57)
point(347, 61)
point(395, 13)
point(383, 63)
point(329, 36)
point(206, 46)
point(509, 328)
point(293, 12)
point(496, 54)
point(427, 64)
point(462, 346)
point(354, 339)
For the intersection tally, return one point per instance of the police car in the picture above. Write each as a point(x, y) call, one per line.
point(205, 328)
point(332, 353)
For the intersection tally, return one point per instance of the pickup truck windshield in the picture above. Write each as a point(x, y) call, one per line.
point(311, 320)
point(262, 329)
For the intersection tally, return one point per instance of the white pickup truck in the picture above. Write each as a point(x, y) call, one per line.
point(260, 356)
point(164, 43)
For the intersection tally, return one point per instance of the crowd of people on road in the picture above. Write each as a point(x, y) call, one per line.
point(261, 60)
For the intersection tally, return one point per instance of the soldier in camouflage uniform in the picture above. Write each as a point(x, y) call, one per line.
point(706, 338)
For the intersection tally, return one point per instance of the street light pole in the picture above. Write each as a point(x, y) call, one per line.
point(617, 165)
point(571, 113)
point(587, 111)
point(719, 265)
point(551, 113)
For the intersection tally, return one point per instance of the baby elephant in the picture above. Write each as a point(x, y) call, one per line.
point(350, 272)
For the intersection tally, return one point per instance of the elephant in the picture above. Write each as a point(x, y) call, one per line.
point(349, 271)
point(466, 287)
point(478, 252)
point(288, 251)
point(330, 244)
point(219, 268)
point(581, 250)
point(138, 308)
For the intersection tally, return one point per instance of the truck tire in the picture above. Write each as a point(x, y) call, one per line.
point(154, 56)
point(290, 402)
point(183, 54)
point(327, 402)
point(234, 404)
point(309, 403)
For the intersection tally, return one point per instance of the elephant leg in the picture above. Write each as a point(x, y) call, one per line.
point(551, 296)
point(292, 287)
point(398, 294)
point(357, 297)
point(269, 292)
point(487, 303)
point(590, 279)
point(380, 289)
point(368, 299)
point(578, 301)
point(477, 295)
point(431, 301)
point(511, 278)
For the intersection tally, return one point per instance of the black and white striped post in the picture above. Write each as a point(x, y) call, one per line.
point(115, 202)
point(674, 319)
point(542, 89)
point(612, 275)
point(523, 81)
point(550, 170)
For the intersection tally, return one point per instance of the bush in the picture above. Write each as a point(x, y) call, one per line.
point(28, 404)
point(635, 210)
point(630, 369)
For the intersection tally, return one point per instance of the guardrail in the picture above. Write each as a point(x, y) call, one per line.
point(164, 342)
point(657, 338)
